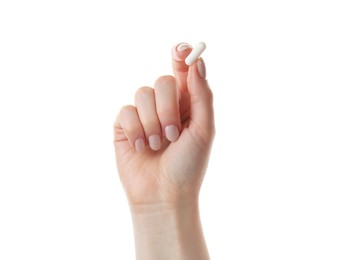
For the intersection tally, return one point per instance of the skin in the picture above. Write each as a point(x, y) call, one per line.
point(162, 180)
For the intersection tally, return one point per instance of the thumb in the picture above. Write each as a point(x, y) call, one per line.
point(201, 98)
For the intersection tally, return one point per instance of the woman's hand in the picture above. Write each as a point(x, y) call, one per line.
point(162, 148)
point(163, 142)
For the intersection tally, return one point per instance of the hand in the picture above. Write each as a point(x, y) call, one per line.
point(162, 147)
point(163, 142)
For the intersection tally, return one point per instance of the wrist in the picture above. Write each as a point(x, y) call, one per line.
point(163, 217)
point(169, 231)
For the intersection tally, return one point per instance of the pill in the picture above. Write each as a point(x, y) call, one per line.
point(195, 54)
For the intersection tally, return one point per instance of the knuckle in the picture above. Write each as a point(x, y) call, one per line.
point(166, 112)
point(116, 123)
point(128, 120)
point(209, 95)
point(127, 109)
point(151, 125)
point(164, 81)
point(143, 92)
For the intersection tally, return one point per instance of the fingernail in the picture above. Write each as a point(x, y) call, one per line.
point(201, 68)
point(139, 145)
point(183, 46)
point(155, 142)
point(171, 133)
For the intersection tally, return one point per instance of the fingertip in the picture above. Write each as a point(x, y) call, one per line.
point(139, 145)
point(197, 72)
point(180, 51)
point(155, 142)
point(200, 65)
point(172, 133)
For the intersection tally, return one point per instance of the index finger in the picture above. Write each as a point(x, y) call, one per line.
point(179, 53)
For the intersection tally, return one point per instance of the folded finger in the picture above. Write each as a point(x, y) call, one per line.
point(179, 53)
point(131, 125)
point(146, 107)
point(167, 105)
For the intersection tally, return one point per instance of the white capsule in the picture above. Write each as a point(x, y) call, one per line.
point(195, 54)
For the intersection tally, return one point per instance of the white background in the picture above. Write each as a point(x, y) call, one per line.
point(275, 184)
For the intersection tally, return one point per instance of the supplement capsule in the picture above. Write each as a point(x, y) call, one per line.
point(195, 54)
